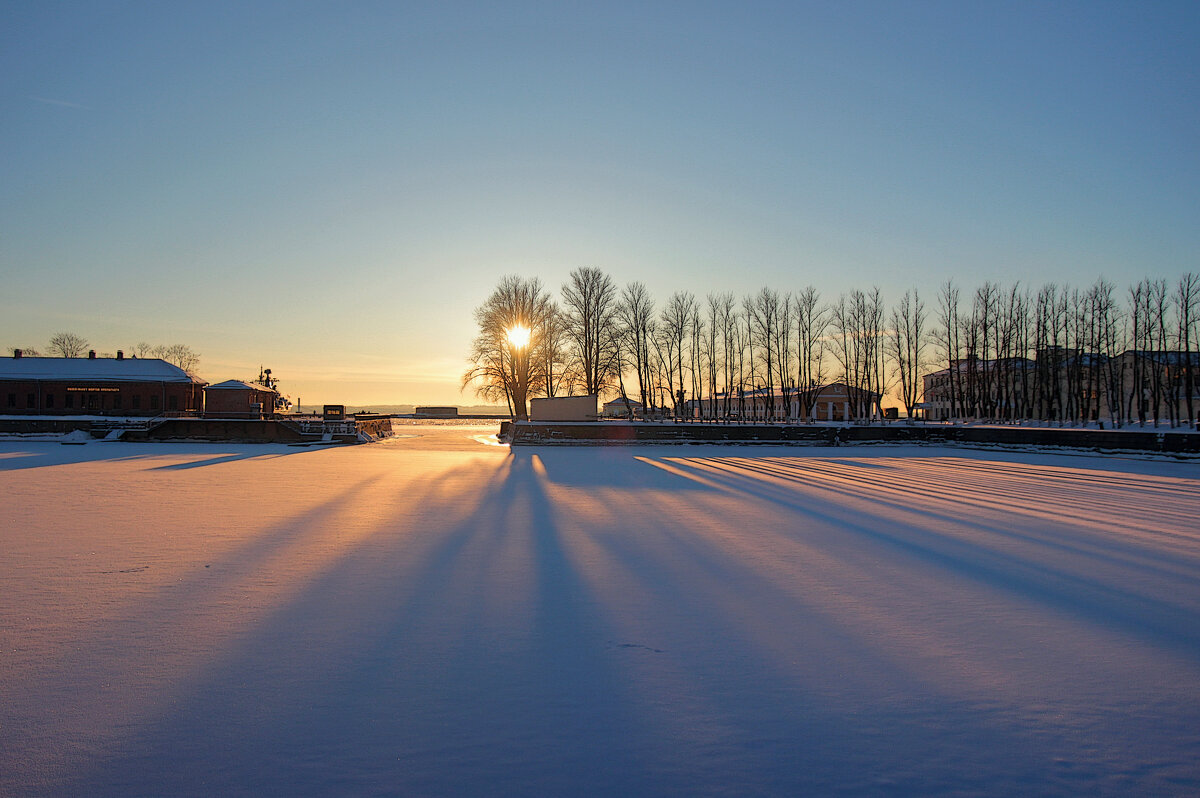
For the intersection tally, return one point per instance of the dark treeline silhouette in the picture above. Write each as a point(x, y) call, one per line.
point(1004, 354)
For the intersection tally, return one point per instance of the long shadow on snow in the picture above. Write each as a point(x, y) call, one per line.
point(777, 693)
point(44, 454)
point(621, 467)
point(1101, 548)
point(172, 608)
point(461, 660)
point(1133, 615)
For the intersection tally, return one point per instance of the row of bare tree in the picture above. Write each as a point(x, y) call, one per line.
point(68, 344)
point(1007, 353)
point(1069, 354)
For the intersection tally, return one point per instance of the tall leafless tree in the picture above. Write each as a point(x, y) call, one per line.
point(67, 344)
point(812, 322)
point(504, 367)
point(1187, 300)
point(907, 347)
point(589, 299)
point(635, 312)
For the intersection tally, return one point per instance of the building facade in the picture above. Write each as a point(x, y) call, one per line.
point(116, 386)
point(835, 401)
point(1062, 385)
point(237, 399)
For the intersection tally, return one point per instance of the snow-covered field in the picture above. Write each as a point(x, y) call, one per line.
point(433, 615)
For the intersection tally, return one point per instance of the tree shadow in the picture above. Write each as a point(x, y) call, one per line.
point(1172, 626)
point(486, 644)
point(465, 659)
point(42, 454)
point(615, 467)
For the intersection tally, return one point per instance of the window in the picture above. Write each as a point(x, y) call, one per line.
point(173, 402)
point(116, 401)
point(137, 401)
point(49, 401)
point(30, 401)
point(153, 402)
point(69, 401)
point(12, 400)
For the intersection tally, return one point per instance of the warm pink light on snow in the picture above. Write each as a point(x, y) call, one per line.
point(432, 614)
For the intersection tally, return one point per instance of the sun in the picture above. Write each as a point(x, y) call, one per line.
point(518, 336)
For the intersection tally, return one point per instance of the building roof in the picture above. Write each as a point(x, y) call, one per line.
point(623, 403)
point(1164, 357)
point(238, 385)
point(100, 369)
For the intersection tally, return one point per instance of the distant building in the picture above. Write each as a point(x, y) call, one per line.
point(1067, 385)
point(835, 401)
point(237, 399)
point(114, 386)
point(622, 408)
point(949, 392)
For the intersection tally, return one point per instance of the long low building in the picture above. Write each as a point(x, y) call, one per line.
point(119, 386)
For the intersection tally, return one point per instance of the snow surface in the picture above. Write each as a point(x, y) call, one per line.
point(437, 615)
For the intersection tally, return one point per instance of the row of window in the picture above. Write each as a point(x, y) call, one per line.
point(92, 402)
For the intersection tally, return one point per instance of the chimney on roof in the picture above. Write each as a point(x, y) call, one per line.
point(120, 355)
point(92, 354)
point(17, 354)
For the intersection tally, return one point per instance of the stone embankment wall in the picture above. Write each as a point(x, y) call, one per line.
point(533, 433)
point(203, 429)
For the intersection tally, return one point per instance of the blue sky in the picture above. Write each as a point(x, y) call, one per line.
point(328, 189)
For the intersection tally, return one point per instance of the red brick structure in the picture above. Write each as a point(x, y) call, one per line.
point(96, 386)
point(237, 399)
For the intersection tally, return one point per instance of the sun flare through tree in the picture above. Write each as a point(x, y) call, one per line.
point(505, 355)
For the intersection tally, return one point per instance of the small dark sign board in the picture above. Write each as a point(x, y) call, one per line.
point(334, 412)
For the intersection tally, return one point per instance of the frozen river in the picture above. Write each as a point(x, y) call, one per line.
point(436, 615)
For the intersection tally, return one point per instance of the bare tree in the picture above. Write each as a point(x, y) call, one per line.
point(907, 345)
point(747, 369)
point(1187, 298)
point(635, 311)
point(66, 344)
point(730, 342)
point(696, 352)
point(504, 355)
point(1158, 318)
point(948, 342)
point(590, 303)
point(1108, 340)
point(712, 351)
point(812, 322)
point(858, 330)
point(784, 355)
point(182, 356)
point(763, 310)
point(676, 325)
point(554, 366)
